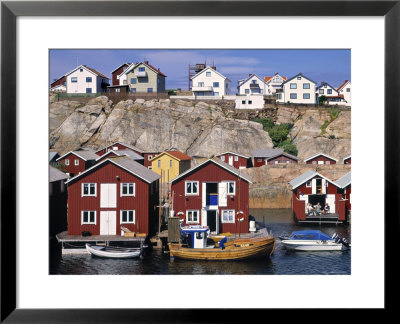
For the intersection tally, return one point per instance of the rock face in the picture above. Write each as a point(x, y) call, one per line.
point(198, 129)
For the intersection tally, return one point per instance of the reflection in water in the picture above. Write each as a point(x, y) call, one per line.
point(282, 262)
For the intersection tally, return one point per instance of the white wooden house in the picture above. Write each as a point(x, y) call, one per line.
point(299, 90)
point(86, 80)
point(332, 95)
point(253, 84)
point(210, 82)
point(274, 83)
point(345, 90)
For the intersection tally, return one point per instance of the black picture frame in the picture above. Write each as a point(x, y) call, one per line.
point(10, 10)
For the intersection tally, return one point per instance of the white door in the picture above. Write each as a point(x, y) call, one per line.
point(108, 222)
point(108, 195)
point(230, 159)
point(323, 186)
point(314, 186)
point(331, 199)
point(222, 194)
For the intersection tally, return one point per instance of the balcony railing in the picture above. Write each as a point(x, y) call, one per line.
point(141, 74)
point(202, 88)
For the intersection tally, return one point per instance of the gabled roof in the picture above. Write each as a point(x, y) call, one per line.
point(128, 146)
point(88, 69)
point(285, 154)
point(323, 83)
point(120, 66)
point(299, 74)
point(128, 165)
point(266, 79)
point(234, 153)
point(209, 68)
point(347, 157)
point(86, 155)
point(56, 175)
point(218, 162)
point(249, 77)
point(344, 181)
point(128, 153)
point(307, 176)
point(178, 155)
point(266, 153)
point(53, 155)
point(314, 156)
point(344, 83)
point(134, 65)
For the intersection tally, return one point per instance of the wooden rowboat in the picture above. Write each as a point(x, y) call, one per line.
point(113, 252)
point(237, 249)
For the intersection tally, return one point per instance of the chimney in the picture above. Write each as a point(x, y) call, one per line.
point(249, 74)
point(158, 69)
point(146, 62)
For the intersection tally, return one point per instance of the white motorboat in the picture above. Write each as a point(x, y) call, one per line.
point(113, 252)
point(314, 240)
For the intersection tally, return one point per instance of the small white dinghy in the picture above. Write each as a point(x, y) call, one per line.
point(113, 252)
point(310, 240)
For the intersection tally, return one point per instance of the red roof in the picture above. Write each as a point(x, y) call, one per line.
point(179, 155)
point(96, 72)
point(269, 78)
point(158, 71)
point(342, 85)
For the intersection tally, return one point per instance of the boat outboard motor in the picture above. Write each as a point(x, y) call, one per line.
point(344, 242)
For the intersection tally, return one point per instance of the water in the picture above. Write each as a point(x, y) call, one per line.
point(282, 262)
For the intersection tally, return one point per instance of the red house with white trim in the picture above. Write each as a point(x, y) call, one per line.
point(213, 194)
point(238, 161)
point(312, 188)
point(347, 160)
point(345, 190)
point(75, 162)
point(320, 158)
point(115, 192)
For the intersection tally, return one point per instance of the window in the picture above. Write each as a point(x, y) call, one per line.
point(149, 157)
point(216, 94)
point(293, 96)
point(243, 102)
point(133, 80)
point(88, 189)
point(348, 90)
point(308, 184)
point(74, 79)
point(216, 84)
point(88, 217)
point(192, 216)
point(231, 187)
point(88, 90)
point(279, 96)
point(222, 158)
point(228, 216)
point(117, 90)
point(170, 163)
point(321, 91)
point(325, 85)
point(254, 81)
point(149, 167)
point(76, 162)
point(80, 70)
point(299, 78)
point(306, 96)
point(191, 188)
point(293, 86)
point(250, 102)
point(127, 189)
point(141, 69)
point(127, 217)
point(159, 163)
point(149, 90)
point(246, 91)
point(66, 161)
point(306, 86)
point(236, 158)
point(328, 162)
point(276, 161)
point(329, 91)
point(314, 162)
point(208, 74)
point(259, 160)
point(133, 90)
point(200, 84)
point(88, 79)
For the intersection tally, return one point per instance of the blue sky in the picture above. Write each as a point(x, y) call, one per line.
point(331, 66)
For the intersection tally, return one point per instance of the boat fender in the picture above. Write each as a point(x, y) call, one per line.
point(221, 243)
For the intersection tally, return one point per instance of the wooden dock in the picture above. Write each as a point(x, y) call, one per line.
point(331, 218)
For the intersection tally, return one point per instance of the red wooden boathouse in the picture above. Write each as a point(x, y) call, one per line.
point(320, 158)
point(238, 161)
point(345, 190)
point(115, 192)
point(76, 162)
point(213, 194)
point(312, 187)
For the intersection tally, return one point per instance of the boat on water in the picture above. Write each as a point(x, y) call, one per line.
point(196, 245)
point(113, 252)
point(314, 240)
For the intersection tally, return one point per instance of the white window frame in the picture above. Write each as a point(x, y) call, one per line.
point(127, 217)
point(227, 221)
point(89, 195)
point(223, 158)
point(89, 222)
point(235, 158)
point(308, 184)
point(76, 162)
point(149, 157)
point(66, 161)
point(208, 74)
point(192, 194)
point(327, 162)
point(197, 216)
point(128, 194)
point(234, 188)
point(293, 85)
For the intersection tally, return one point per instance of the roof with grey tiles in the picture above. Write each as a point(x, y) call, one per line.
point(266, 153)
point(56, 175)
point(344, 181)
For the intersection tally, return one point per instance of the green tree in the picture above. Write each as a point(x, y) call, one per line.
point(321, 100)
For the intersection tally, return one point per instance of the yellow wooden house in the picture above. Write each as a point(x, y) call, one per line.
point(170, 164)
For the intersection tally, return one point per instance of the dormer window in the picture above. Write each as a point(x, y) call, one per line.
point(299, 78)
point(208, 74)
